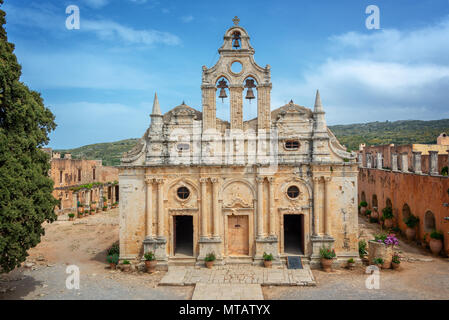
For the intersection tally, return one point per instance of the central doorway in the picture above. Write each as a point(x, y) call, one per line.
point(294, 234)
point(183, 235)
point(238, 244)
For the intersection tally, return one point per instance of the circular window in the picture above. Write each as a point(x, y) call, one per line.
point(293, 192)
point(236, 67)
point(183, 193)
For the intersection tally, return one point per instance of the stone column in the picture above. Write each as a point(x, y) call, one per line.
point(263, 107)
point(149, 208)
point(326, 206)
point(236, 106)
point(216, 214)
point(417, 162)
point(368, 160)
point(433, 163)
point(271, 201)
point(160, 209)
point(316, 205)
point(394, 161)
point(203, 182)
point(404, 162)
point(379, 160)
point(209, 106)
point(260, 229)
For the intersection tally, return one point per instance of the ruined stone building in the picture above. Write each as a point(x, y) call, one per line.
point(411, 179)
point(81, 181)
point(280, 183)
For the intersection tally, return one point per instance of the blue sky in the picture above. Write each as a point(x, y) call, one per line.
point(100, 80)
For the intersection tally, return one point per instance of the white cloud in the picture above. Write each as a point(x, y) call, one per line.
point(187, 19)
point(385, 75)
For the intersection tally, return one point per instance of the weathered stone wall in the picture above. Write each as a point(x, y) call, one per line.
point(422, 193)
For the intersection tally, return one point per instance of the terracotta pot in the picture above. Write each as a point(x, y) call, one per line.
point(395, 265)
point(126, 267)
point(374, 215)
point(410, 233)
point(113, 266)
point(351, 265)
point(71, 219)
point(209, 264)
point(326, 264)
point(388, 223)
point(151, 266)
point(380, 266)
point(267, 264)
point(436, 246)
point(363, 210)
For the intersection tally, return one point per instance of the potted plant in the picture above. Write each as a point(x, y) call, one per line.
point(79, 207)
point(363, 206)
point(425, 240)
point(71, 216)
point(267, 260)
point(362, 250)
point(80, 214)
point(368, 212)
point(387, 217)
point(411, 221)
point(327, 256)
point(126, 266)
point(378, 262)
point(351, 264)
point(375, 214)
point(436, 242)
point(395, 261)
point(113, 260)
point(93, 205)
point(210, 259)
point(105, 208)
point(150, 261)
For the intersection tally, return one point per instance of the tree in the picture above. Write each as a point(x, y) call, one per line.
point(26, 199)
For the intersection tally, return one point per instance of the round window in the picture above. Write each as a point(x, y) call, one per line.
point(183, 193)
point(236, 67)
point(293, 192)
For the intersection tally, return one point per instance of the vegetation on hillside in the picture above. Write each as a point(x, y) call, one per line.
point(110, 152)
point(397, 132)
point(26, 199)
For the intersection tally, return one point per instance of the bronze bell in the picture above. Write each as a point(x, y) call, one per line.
point(250, 94)
point(236, 39)
point(222, 94)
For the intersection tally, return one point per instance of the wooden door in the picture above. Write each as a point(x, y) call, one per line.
point(238, 235)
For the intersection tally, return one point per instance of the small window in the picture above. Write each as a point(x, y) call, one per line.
point(293, 192)
point(93, 173)
point(60, 176)
point(183, 147)
point(79, 174)
point(292, 144)
point(183, 193)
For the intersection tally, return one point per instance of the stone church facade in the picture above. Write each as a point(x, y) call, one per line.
point(280, 183)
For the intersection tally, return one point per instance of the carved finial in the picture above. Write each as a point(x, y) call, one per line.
point(291, 101)
point(236, 20)
point(183, 103)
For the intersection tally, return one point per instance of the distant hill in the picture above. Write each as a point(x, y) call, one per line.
point(350, 135)
point(397, 132)
point(109, 152)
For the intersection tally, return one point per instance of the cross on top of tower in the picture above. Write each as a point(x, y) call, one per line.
point(236, 20)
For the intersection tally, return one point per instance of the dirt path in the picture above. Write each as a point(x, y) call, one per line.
point(83, 243)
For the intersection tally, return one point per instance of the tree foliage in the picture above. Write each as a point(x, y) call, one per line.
point(26, 199)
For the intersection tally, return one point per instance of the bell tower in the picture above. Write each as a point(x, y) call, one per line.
point(237, 72)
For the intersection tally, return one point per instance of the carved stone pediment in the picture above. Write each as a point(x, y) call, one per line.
point(135, 152)
point(238, 203)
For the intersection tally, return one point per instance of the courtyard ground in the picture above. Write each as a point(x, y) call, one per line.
point(84, 243)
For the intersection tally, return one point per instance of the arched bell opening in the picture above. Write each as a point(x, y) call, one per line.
point(223, 101)
point(236, 40)
point(250, 99)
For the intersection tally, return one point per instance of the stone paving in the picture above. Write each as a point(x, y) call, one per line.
point(204, 291)
point(238, 274)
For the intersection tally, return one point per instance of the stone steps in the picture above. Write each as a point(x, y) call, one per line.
point(181, 261)
point(239, 260)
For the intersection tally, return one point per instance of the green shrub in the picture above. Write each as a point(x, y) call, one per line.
point(436, 235)
point(364, 204)
point(126, 262)
point(373, 220)
point(113, 258)
point(387, 213)
point(351, 260)
point(380, 236)
point(71, 215)
point(327, 253)
point(378, 261)
point(114, 249)
point(368, 212)
point(149, 256)
point(444, 171)
point(411, 221)
point(396, 258)
point(267, 257)
point(210, 257)
point(362, 248)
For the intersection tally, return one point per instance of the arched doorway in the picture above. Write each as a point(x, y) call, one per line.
point(374, 202)
point(363, 197)
point(429, 221)
point(405, 211)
